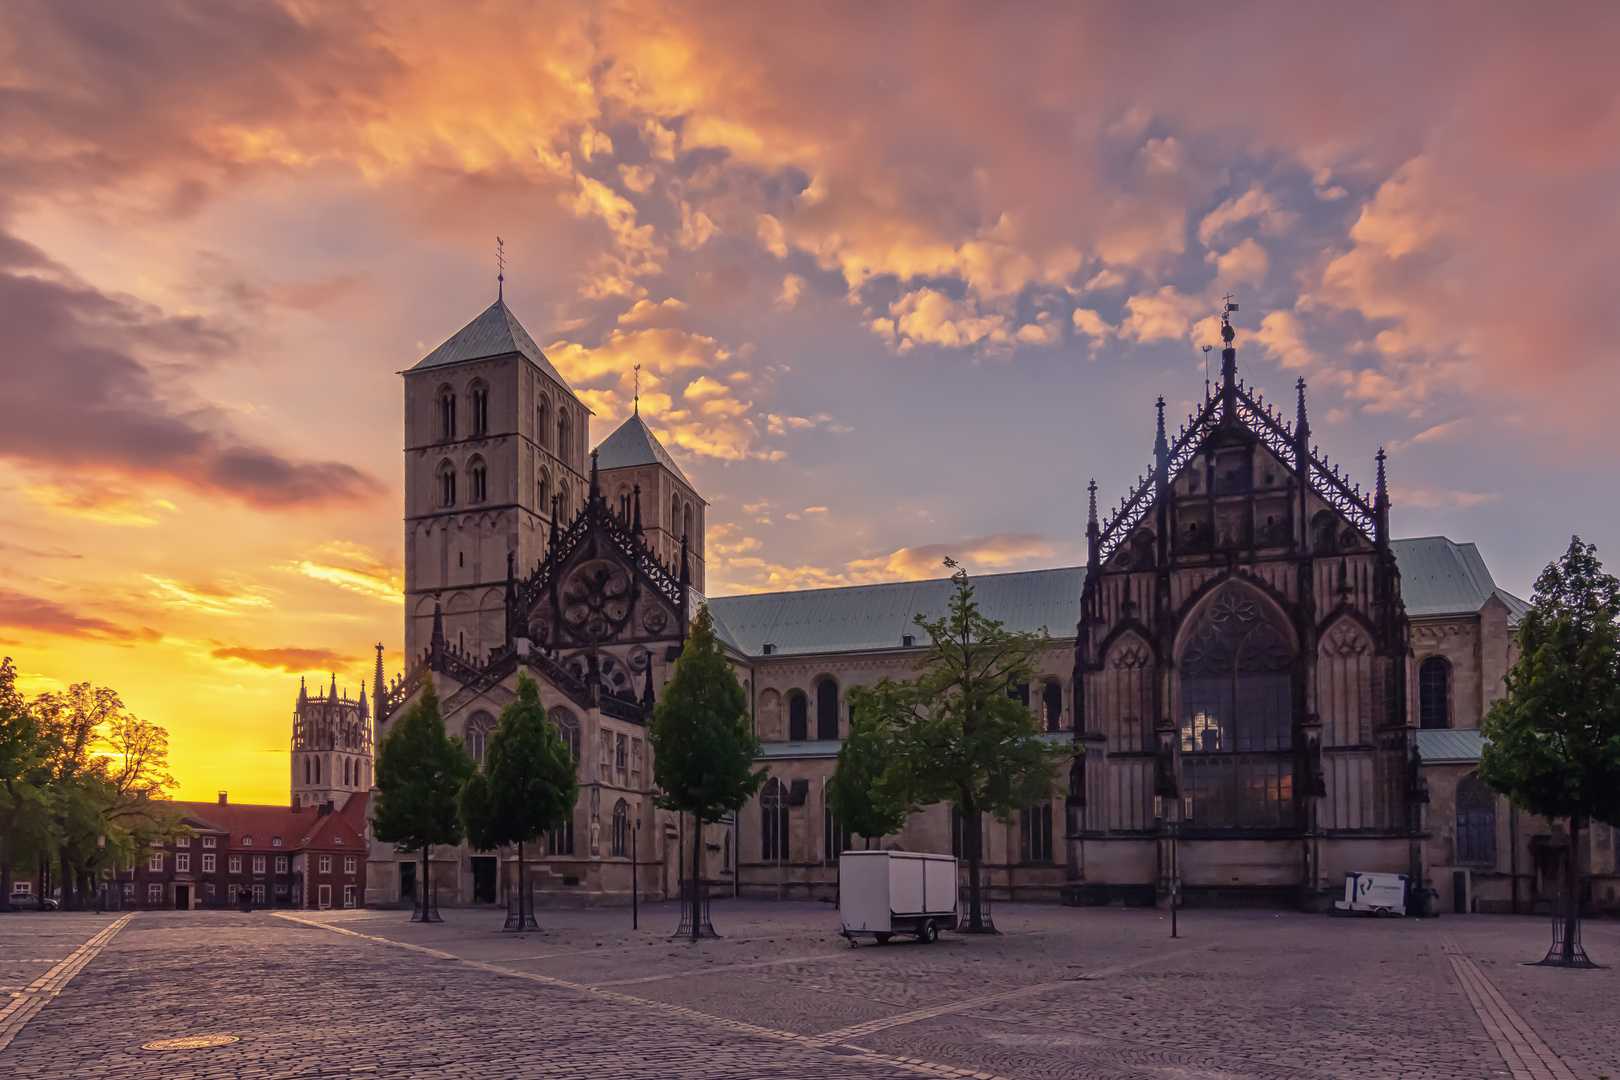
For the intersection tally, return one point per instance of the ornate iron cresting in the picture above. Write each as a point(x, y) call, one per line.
point(1278, 436)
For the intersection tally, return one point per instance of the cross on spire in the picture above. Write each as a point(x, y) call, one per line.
point(500, 268)
point(637, 372)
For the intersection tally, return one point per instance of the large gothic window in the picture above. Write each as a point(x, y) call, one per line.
point(1434, 693)
point(478, 731)
point(1236, 718)
point(567, 729)
point(773, 811)
point(621, 829)
point(1052, 702)
point(1476, 823)
point(798, 716)
point(826, 709)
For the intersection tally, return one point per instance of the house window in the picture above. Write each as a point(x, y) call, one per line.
point(447, 413)
point(326, 864)
point(258, 864)
point(236, 864)
point(621, 829)
point(154, 893)
point(349, 863)
point(1476, 823)
point(129, 892)
point(208, 864)
point(155, 863)
point(1237, 717)
point(208, 841)
point(826, 709)
point(281, 864)
point(479, 727)
point(182, 863)
point(1434, 693)
point(247, 841)
point(773, 809)
point(182, 841)
point(480, 409)
point(798, 716)
point(209, 891)
point(1052, 700)
point(275, 841)
point(258, 894)
point(348, 896)
point(1035, 833)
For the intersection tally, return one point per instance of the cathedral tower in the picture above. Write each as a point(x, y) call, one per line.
point(632, 460)
point(494, 440)
point(331, 746)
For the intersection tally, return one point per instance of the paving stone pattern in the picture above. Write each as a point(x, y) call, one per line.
point(1062, 993)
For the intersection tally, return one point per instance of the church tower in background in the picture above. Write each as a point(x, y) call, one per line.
point(331, 746)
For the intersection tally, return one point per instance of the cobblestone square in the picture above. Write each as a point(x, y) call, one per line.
point(1060, 993)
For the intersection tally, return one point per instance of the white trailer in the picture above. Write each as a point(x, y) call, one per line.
point(1380, 894)
point(883, 893)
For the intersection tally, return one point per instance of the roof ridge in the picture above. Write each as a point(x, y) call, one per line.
point(902, 581)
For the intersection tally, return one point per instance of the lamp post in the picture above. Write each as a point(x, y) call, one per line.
point(635, 891)
point(1167, 787)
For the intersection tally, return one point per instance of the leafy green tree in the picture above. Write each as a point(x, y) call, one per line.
point(528, 785)
point(853, 792)
point(1554, 741)
point(703, 745)
point(21, 754)
point(420, 771)
point(955, 732)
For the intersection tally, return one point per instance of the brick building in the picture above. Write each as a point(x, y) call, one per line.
point(285, 856)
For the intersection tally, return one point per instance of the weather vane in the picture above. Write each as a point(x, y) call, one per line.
point(500, 268)
point(637, 372)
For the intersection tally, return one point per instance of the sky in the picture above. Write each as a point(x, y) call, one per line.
point(901, 279)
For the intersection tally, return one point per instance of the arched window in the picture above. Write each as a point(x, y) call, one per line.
point(1324, 533)
point(1019, 693)
point(1035, 833)
point(479, 725)
point(477, 480)
point(1237, 716)
point(564, 430)
point(686, 522)
point(826, 709)
point(345, 772)
point(798, 716)
point(624, 503)
point(542, 422)
point(674, 515)
point(621, 829)
point(447, 413)
point(1476, 823)
point(1052, 701)
point(317, 770)
point(567, 729)
point(543, 492)
point(773, 810)
point(562, 500)
point(480, 408)
point(1434, 692)
point(306, 770)
point(447, 484)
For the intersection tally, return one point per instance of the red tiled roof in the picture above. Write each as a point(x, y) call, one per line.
point(297, 828)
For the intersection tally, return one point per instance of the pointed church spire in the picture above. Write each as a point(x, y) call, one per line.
point(1093, 532)
point(436, 641)
point(596, 490)
point(365, 710)
point(1161, 451)
point(303, 694)
point(635, 505)
point(333, 694)
point(1381, 506)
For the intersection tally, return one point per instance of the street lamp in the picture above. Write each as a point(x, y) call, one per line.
point(1167, 787)
point(635, 890)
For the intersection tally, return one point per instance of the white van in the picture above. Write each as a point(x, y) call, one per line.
point(883, 893)
point(1380, 894)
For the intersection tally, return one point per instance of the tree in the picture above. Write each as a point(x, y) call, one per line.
point(703, 745)
point(420, 772)
point(957, 734)
point(852, 793)
point(528, 785)
point(1553, 743)
point(21, 754)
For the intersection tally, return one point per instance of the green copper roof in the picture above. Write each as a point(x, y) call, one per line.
point(1442, 577)
point(494, 333)
point(1439, 745)
point(635, 444)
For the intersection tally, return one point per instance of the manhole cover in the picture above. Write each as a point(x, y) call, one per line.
point(191, 1042)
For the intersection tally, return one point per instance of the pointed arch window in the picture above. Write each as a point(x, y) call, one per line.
point(686, 522)
point(564, 431)
point(480, 408)
point(542, 422)
point(798, 716)
point(479, 727)
point(773, 810)
point(567, 729)
point(543, 491)
point(1434, 693)
point(1052, 704)
point(1237, 717)
point(621, 829)
point(447, 413)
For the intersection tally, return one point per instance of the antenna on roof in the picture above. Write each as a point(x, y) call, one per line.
point(500, 268)
point(637, 370)
point(1206, 371)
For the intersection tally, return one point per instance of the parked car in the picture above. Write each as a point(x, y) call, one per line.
point(24, 901)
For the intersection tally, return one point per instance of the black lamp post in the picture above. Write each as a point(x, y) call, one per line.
point(635, 890)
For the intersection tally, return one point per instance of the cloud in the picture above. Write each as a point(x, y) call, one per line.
point(1283, 340)
point(1438, 498)
point(83, 397)
point(1159, 316)
point(792, 286)
point(292, 660)
point(1091, 324)
point(19, 611)
point(355, 568)
point(995, 552)
point(1246, 262)
point(1254, 203)
point(928, 316)
point(208, 599)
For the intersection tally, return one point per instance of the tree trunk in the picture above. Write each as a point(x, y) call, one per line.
point(421, 913)
point(5, 861)
point(973, 840)
point(524, 912)
point(1572, 889)
point(697, 874)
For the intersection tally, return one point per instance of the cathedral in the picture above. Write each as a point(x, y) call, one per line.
point(1263, 689)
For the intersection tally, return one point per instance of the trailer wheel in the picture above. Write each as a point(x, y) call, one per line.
point(1381, 913)
point(929, 932)
point(882, 939)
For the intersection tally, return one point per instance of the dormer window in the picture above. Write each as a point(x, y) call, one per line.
point(247, 841)
point(767, 649)
point(907, 641)
point(275, 841)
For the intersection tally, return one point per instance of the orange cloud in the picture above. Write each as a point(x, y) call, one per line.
point(292, 660)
